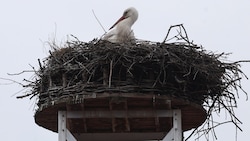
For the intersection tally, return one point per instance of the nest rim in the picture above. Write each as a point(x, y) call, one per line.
point(47, 117)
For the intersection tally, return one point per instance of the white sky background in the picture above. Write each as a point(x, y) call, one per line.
point(25, 26)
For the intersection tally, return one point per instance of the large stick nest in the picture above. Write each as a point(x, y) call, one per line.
point(170, 69)
point(180, 70)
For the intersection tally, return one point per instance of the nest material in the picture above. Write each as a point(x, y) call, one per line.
point(179, 70)
point(167, 69)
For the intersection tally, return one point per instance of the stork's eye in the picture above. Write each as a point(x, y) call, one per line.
point(125, 13)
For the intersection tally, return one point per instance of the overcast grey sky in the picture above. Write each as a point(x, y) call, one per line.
point(219, 26)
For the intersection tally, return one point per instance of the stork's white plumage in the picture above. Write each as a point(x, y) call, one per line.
point(121, 31)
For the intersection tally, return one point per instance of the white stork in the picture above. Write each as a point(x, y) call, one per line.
point(121, 31)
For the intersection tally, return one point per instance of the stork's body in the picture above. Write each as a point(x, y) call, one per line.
point(121, 31)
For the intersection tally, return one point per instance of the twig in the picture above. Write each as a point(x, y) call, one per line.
point(18, 92)
point(172, 26)
point(21, 72)
point(23, 96)
point(110, 72)
point(241, 61)
point(98, 21)
point(40, 65)
point(185, 33)
point(12, 80)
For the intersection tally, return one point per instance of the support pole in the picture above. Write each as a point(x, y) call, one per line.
point(177, 125)
point(175, 134)
point(63, 133)
point(61, 126)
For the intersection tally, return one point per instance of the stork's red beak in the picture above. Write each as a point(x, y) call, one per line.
point(122, 18)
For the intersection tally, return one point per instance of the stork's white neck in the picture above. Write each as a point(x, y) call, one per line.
point(126, 23)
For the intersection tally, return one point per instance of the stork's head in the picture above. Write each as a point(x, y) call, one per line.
point(129, 14)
